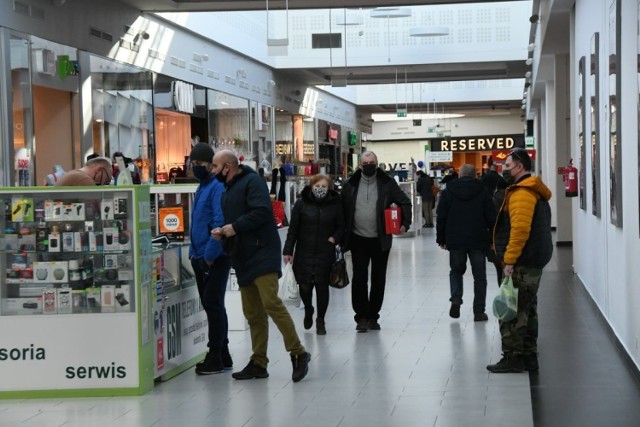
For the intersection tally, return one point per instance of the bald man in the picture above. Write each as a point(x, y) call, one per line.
point(97, 171)
point(251, 238)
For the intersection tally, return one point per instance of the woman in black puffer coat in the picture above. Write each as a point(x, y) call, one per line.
point(316, 226)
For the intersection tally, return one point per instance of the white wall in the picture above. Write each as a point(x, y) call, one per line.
point(462, 126)
point(606, 257)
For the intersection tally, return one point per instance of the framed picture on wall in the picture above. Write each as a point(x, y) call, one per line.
point(582, 81)
point(614, 86)
point(594, 95)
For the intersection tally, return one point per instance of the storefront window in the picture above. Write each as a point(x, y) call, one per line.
point(229, 123)
point(262, 137)
point(22, 112)
point(285, 150)
point(123, 114)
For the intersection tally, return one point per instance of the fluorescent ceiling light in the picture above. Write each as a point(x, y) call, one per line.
point(389, 117)
point(429, 31)
point(391, 12)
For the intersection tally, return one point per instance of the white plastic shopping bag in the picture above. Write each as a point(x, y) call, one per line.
point(289, 293)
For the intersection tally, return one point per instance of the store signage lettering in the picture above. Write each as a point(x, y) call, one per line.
point(91, 372)
point(174, 330)
point(487, 143)
point(394, 166)
point(284, 148)
point(25, 353)
point(71, 372)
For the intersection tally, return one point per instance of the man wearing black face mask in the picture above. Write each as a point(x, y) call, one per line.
point(251, 236)
point(365, 196)
point(210, 263)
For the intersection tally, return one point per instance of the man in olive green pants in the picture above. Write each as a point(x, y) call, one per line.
point(251, 239)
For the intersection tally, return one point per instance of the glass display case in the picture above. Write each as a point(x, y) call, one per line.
point(74, 290)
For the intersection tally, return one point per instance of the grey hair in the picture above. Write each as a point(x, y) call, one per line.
point(369, 154)
point(468, 170)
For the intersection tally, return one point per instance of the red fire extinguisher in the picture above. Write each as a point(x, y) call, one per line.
point(392, 219)
point(570, 180)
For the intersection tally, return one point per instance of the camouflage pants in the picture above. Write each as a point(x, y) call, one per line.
point(520, 335)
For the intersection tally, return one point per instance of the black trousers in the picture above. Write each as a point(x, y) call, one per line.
point(212, 285)
point(322, 294)
point(366, 250)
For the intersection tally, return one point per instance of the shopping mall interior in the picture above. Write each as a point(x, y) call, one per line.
point(298, 87)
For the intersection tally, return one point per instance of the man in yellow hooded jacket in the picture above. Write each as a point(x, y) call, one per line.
point(522, 241)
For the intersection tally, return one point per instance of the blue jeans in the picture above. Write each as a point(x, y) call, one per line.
point(458, 264)
point(212, 285)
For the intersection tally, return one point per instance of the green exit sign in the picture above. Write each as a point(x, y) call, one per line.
point(402, 113)
point(417, 122)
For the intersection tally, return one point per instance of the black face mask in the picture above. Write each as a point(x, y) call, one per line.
point(506, 174)
point(220, 177)
point(200, 172)
point(369, 170)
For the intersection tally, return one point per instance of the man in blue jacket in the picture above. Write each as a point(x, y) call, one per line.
point(251, 238)
point(210, 264)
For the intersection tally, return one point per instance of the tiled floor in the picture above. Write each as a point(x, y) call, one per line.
point(421, 369)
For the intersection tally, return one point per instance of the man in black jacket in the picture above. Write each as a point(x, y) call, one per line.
point(365, 196)
point(465, 216)
point(424, 187)
point(251, 238)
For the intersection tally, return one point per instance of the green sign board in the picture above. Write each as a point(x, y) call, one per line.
point(402, 113)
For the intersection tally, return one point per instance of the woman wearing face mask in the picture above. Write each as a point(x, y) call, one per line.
point(315, 228)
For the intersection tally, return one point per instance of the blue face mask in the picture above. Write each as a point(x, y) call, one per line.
point(200, 172)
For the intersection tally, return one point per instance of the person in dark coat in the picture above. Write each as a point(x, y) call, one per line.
point(465, 216)
point(365, 196)
point(316, 226)
point(492, 180)
point(251, 238)
point(424, 187)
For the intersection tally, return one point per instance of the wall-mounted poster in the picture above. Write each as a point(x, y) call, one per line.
point(615, 147)
point(594, 93)
point(581, 128)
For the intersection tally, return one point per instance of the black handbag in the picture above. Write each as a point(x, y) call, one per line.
point(339, 278)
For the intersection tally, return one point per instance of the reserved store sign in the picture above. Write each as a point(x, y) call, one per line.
point(69, 352)
point(478, 143)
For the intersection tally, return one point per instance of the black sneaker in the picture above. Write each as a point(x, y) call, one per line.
point(300, 364)
point(531, 362)
point(480, 317)
point(308, 318)
point(508, 364)
point(211, 364)
point(363, 325)
point(454, 311)
point(251, 371)
point(320, 328)
point(374, 325)
point(227, 361)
